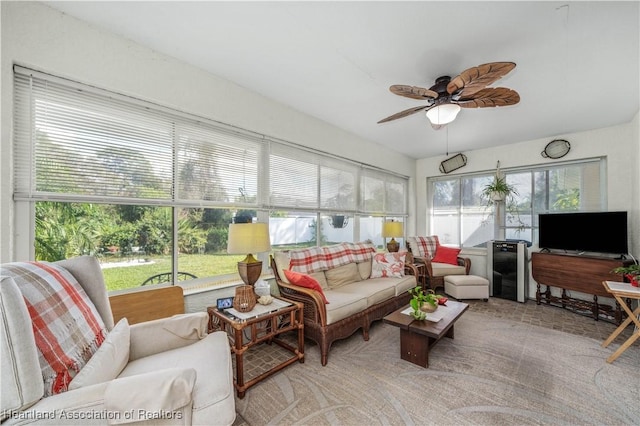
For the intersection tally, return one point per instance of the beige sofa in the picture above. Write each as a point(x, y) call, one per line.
point(165, 371)
point(355, 298)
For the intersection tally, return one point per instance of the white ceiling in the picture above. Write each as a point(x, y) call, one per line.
point(577, 62)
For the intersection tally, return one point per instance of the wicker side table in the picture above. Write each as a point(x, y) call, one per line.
point(247, 331)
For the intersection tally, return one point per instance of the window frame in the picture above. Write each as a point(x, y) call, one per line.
point(500, 226)
point(26, 193)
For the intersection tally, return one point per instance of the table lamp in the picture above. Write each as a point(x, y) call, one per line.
point(391, 229)
point(248, 238)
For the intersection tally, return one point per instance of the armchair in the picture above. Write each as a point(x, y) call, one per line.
point(165, 371)
point(424, 249)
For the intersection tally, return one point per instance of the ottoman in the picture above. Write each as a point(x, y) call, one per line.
point(466, 287)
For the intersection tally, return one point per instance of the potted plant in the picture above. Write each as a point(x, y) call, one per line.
point(630, 272)
point(422, 303)
point(499, 190)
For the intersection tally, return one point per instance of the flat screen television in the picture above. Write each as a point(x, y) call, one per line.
point(599, 232)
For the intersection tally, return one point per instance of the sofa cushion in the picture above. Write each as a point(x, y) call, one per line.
point(321, 278)
point(67, 327)
point(373, 290)
point(212, 395)
point(403, 284)
point(364, 269)
point(443, 269)
point(282, 262)
point(109, 359)
point(446, 255)
point(306, 281)
point(342, 275)
point(388, 265)
point(342, 305)
point(22, 383)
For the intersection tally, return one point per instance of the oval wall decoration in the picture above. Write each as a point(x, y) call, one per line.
point(555, 149)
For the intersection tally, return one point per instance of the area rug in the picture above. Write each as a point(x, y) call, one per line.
point(495, 372)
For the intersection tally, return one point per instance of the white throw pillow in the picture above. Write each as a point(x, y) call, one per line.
point(388, 265)
point(108, 361)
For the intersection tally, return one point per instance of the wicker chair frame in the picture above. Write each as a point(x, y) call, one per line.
point(433, 282)
point(315, 313)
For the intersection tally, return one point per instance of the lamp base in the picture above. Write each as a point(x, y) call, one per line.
point(393, 246)
point(250, 271)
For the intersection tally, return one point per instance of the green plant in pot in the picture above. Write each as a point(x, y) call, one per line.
point(630, 272)
point(499, 190)
point(422, 303)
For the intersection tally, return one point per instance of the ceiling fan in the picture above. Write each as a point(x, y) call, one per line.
point(467, 90)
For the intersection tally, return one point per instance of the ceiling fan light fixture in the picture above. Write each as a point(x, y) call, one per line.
point(443, 114)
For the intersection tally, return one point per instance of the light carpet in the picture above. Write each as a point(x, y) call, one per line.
point(495, 372)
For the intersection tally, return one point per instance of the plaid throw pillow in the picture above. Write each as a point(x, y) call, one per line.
point(427, 246)
point(307, 260)
point(67, 327)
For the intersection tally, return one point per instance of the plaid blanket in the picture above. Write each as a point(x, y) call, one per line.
point(362, 251)
point(66, 325)
point(337, 255)
point(427, 246)
point(314, 259)
point(308, 260)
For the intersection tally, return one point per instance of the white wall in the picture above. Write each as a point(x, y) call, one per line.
point(619, 144)
point(42, 38)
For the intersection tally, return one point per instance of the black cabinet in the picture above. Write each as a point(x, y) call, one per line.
point(508, 272)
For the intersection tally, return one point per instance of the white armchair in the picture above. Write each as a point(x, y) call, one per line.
point(171, 372)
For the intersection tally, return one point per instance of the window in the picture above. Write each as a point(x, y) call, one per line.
point(151, 191)
point(460, 216)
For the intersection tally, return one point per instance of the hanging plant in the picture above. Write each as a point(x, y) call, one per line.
point(500, 191)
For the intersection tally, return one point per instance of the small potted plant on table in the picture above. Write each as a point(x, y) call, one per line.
point(422, 303)
point(630, 272)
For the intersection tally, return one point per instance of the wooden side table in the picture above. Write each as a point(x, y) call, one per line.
point(620, 291)
point(248, 331)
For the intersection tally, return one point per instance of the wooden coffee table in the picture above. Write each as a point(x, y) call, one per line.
point(417, 337)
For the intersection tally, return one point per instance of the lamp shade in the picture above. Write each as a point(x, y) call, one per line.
point(392, 229)
point(247, 238)
point(443, 114)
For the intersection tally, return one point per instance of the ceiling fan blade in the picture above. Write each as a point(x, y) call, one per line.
point(402, 114)
point(491, 97)
point(477, 78)
point(413, 92)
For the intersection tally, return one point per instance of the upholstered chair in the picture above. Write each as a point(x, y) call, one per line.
point(165, 371)
point(439, 261)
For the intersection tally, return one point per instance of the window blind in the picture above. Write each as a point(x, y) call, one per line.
point(78, 143)
point(303, 179)
point(217, 165)
point(382, 193)
point(74, 142)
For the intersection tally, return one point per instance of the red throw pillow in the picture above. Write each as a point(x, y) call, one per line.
point(304, 280)
point(446, 255)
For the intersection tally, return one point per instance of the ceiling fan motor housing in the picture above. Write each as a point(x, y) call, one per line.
point(441, 85)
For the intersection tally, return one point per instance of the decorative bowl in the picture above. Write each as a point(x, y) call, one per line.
point(265, 300)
